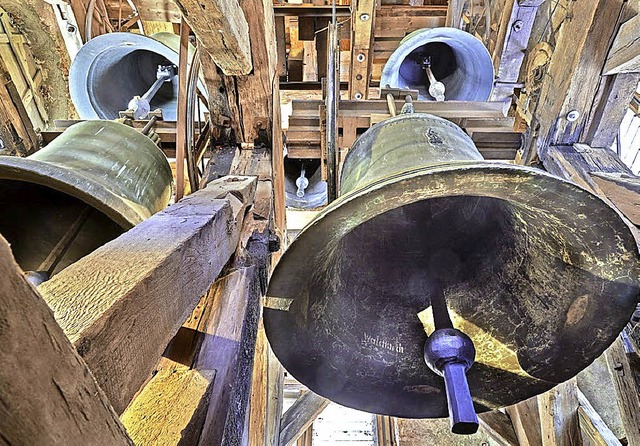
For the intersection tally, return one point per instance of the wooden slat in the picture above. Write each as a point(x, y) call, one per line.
point(454, 13)
point(623, 190)
point(499, 427)
point(626, 390)
point(559, 415)
point(181, 125)
point(48, 394)
point(363, 22)
point(624, 55)
point(593, 428)
point(121, 304)
point(525, 417)
point(300, 416)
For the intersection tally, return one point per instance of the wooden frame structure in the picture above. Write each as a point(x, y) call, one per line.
point(184, 358)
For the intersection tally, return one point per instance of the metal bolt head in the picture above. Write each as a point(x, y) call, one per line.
point(358, 77)
point(358, 96)
point(364, 17)
point(573, 115)
point(71, 28)
point(360, 57)
point(517, 25)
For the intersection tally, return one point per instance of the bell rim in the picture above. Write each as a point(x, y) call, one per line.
point(283, 286)
point(59, 178)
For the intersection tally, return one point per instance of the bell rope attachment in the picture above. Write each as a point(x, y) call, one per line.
point(540, 274)
point(442, 64)
point(85, 188)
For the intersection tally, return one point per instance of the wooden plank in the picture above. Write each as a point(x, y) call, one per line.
point(98, 300)
point(275, 383)
point(310, 62)
point(16, 128)
point(362, 25)
point(624, 55)
point(454, 13)
point(525, 417)
point(48, 394)
point(594, 429)
point(558, 410)
point(259, 389)
point(154, 10)
point(277, 165)
point(626, 390)
point(297, 419)
point(222, 31)
point(499, 427)
point(623, 190)
point(282, 45)
point(181, 125)
point(170, 409)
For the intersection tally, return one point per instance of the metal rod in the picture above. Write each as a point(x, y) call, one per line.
point(461, 412)
point(57, 253)
point(147, 127)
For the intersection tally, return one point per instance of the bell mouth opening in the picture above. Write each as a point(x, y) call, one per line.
point(119, 74)
point(442, 60)
point(35, 218)
point(493, 238)
point(315, 194)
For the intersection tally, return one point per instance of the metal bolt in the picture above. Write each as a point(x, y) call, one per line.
point(517, 25)
point(71, 28)
point(573, 115)
point(361, 57)
point(358, 96)
point(358, 77)
point(364, 17)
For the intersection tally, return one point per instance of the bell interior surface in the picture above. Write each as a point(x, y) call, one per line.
point(459, 60)
point(112, 68)
point(315, 194)
point(540, 274)
point(119, 175)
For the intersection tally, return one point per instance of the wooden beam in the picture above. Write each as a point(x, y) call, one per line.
point(385, 431)
point(525, 417)
point(499, 427)
point(624, 55)
point(558, 410)
point(16, 129)
point(98, 301)
point(574, 73)
point(48, 394)
point(454, 13)
point(593, 428)
point(222, 30)
point(623, 190)
point(181, 124)
point(362, 25)
point(297, 419)
point(626, 388)
point(275, 383)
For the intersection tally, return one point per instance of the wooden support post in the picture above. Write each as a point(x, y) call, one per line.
point(362, 26)
point(300, 416)
point(385, 432)
point(594, 429)
point(499, 427)
point(222, 30)
point(525, 417)
point(454, 13)
point(559, 415)
point(275, 388)
point(48, 394)
point(624, 55)
point(626, 391)
point(98, 301)
point(181, 125)
point(16, 129)
point(574, 75)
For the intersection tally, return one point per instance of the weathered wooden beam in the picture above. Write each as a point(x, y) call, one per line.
point(48, 394)
point(454, 13)
point(362, 26)
point(16, 129)
point(121, 304)
point(181, 124)
point(574, 74)
point(297, 419)
point(626, 388)
point(593, 428)
point(624, 55)
point(499, 427)
point(223, 32)
point(275, 383)
point(525, 417)
point(623, 190)
point(558, 410)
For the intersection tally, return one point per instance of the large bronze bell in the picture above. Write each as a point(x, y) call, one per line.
point(99, 176)
point(540, 274)
point(452, 59)
point(112, 69)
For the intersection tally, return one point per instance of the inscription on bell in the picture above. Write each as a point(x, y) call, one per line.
point(370, 341)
